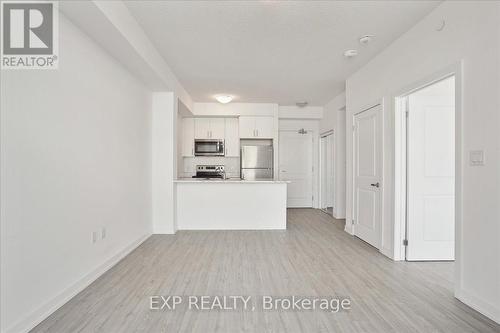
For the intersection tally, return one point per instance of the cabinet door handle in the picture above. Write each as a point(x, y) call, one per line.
point(375, 185)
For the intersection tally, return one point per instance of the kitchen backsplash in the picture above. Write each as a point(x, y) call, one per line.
point(232, 165)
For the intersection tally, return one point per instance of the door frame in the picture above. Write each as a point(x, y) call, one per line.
point(403, 106)
point(320, 169)
point(400, 160)
point(353, 171)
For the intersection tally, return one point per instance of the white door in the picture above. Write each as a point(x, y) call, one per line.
point(247, 127)
point(431, 173)
point(295, 165)
point(232, 140)
point(264, 127)
point(188, 137)
point(217, 128)
point(202, 128)
point(368, 175)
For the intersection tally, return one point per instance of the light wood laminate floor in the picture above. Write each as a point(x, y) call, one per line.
point(314, 257)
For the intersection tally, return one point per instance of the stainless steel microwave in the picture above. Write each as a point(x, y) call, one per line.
point(208, 147)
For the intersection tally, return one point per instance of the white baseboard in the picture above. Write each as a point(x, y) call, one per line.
point(348, 228)
point(338, 216)
point(36, 317)
point(478, 304)
point(388, 253)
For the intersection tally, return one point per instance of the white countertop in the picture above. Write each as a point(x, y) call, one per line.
point(229, 181)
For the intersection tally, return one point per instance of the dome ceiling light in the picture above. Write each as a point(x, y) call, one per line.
point(224, 99)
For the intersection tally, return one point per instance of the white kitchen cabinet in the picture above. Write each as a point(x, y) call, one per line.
point(257, 127)
point(188, 137)
point(217, 128)
point(232, 139)
point(202, 128)
point(247, 127)
point(209, 128)
point(264, 127)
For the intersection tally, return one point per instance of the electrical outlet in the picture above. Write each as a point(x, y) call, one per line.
point(103, 232)
point(476, 157)
point(93, 237)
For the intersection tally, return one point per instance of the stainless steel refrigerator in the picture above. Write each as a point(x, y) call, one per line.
point(256, 162)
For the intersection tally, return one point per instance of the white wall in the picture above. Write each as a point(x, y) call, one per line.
point(179, 143)
point(294, 112)
point(76, 156)
point(329, 121)
point(164, 161)
point(113, 27)
point(235, 109)
point(334, 120)
point(471, 35)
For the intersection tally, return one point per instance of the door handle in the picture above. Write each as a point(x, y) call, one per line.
point(377, 184)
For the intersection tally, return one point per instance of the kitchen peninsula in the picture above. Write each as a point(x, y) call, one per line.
point(230, 204)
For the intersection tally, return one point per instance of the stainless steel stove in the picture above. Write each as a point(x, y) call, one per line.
point(210, 171)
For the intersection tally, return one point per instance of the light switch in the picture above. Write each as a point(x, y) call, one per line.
point(476, 157)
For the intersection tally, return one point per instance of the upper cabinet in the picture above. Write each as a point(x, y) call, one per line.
point(209, 128)
point(187, 137)
point(232, 140)
point(264, 127)
point(202, 128)
point(257, 127)
point(217, 126)
point(247, 127)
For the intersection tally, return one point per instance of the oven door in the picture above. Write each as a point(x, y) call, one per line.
point(209, 147)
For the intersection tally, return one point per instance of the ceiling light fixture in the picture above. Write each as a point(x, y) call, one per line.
point(350, 53)
point(224, 99)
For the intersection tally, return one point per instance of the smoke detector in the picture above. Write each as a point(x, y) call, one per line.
point(350, 53)
point(366, 39)
point(301, 104)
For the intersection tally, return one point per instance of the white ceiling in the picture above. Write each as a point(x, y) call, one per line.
point(271, 51)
